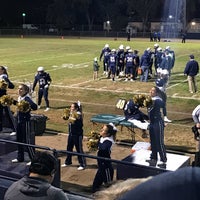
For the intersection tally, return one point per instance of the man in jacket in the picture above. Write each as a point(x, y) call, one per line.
point(191, 70)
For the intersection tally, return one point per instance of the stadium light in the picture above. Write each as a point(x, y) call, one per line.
point(23, 17)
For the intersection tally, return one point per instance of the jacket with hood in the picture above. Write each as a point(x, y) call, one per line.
point(30, 188)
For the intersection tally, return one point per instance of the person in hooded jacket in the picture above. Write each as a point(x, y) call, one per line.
point(37, 185)
point(145, 63)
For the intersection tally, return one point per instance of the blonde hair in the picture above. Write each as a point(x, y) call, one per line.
point(118, 189)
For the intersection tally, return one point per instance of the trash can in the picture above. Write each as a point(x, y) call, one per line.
point(38, 124)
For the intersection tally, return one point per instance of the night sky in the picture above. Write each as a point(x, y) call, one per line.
point(11, 11)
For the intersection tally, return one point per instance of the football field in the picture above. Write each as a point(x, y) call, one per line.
point(70, 64)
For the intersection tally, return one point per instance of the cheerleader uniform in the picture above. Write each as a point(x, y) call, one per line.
point(156, 129)
point(6, 109)
point(23, 130)
point(105, 169)
point(75, 139)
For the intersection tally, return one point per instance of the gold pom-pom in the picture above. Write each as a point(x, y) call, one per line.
point(23, 106)
point(66, 113)
point(6, 100)
point(148, 101)
point(73, 117)
point(138, 99)
point(3, 84)
point(93, 140)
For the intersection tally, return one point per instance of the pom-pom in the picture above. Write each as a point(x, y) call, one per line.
point(93, 140)
point(3, 84)
point(73, 116)
point(148, 101)
point(23, 106)
point(139, 99)
point(6, 100)
point(66, 113)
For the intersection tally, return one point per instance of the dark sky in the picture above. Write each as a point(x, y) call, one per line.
point(11, 11)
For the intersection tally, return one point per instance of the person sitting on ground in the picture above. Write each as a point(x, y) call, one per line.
point(37, 185)
point(137, 117)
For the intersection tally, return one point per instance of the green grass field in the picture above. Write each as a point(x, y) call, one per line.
point(69, 62)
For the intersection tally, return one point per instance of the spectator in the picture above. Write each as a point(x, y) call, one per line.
point(191, 70)
point(118, 189)
point(24, 105)
point(37, 185)
point(128, 35)
point(180, 184)
point(75, 137)
point(44, 80)
point(105, 169)
point(183, 35)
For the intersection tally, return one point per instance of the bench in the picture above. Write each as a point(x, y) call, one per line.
point(117, 120)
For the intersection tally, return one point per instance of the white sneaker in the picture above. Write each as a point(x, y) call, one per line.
point(47, 109)
point(126, 79)
point(80, 168)
point(28, 164)
point(64, 165)
point(15, 160)
point(166, 119)
point(13, 133)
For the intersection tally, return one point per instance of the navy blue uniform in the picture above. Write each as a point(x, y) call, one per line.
point(44, 81)
point(156, 129)
point(23, 129)
point(129, 60)
point(105, 170)
point(104, 53)
point(75, 138)
point(6, 109)
point(120, 61)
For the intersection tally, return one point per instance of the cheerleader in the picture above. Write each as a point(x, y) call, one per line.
point(24, 105)
point(75, 137)
point(5, 83)
point(105, 169)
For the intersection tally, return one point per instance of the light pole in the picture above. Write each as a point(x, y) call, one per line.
point(23, 18)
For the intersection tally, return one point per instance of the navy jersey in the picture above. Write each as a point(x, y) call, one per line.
point(131, 111)
point(120, 57)
point(104, 53)
point(43, 79)
point(129, 59)
point(112, 60)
